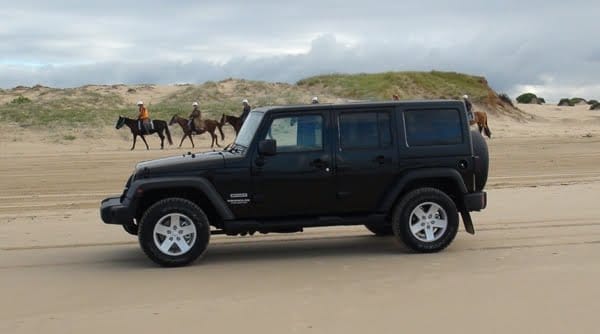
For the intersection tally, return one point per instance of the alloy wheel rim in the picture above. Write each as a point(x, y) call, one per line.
point(428, 222)
point(174, 234)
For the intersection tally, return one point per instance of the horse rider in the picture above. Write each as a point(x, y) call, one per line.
point(143, 117)
point(245, 110)
point(315, 100)
point(195, 118)
point(469, 106)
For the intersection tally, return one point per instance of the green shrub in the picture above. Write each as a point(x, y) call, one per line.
point(565, 102)
point(20, 100)
point(528, 98)
point(576, 100)
point(592, 102)
point(595, 106)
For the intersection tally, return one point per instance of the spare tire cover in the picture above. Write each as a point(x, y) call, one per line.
point(480, 149)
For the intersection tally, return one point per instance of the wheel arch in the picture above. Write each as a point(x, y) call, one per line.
point(445, 179)
point(197, 190)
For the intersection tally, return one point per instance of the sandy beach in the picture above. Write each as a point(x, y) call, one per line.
point(531, 267)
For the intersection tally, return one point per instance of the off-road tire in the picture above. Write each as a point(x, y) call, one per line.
point(162, 208)
point(402, 215)
point(131, 228)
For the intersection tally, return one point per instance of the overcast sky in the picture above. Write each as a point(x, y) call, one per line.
point(549, 47)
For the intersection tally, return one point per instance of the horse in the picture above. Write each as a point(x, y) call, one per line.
point(159, 127)
point(395, 97)
point(209, 126)
point(236, 122)
point(480, 118)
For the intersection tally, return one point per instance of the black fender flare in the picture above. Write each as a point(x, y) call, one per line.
point(421, 174)
point(138, 187)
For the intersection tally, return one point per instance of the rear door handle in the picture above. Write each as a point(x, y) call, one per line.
point(320, 164)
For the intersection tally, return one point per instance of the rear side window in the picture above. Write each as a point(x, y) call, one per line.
point(433, 127)
point(363, 130)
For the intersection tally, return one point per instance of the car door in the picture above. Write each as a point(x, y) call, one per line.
point(366, 158)
point(297, 180)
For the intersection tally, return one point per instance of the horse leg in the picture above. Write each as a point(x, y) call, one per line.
point(182, 138)
point(145, 142)
point(162, 140)
point(134, 140)
point(217, 140)
point(191, 141)
point(480, 127)
point(212, 143)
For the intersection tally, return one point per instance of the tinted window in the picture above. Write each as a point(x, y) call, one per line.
point(297, 134)
point(365, 130)
point(433, 127)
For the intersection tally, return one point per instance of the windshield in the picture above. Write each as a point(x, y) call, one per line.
point(248, 129)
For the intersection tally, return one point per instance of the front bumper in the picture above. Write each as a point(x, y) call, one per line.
point(475, 201)
point(113, 211)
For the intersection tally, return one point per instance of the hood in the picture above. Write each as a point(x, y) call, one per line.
point(186, 163)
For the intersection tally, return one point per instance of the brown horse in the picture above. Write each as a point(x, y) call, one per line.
point(136, 130)
point(208, 125)
point(395, 97)
point(236, 122)
point(481, 121)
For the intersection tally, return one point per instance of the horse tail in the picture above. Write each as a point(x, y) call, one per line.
point(168, 134)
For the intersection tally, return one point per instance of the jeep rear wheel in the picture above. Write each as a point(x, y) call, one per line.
point(425, 220)
point(174, 232)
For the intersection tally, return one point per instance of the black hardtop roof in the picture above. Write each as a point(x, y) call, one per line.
point(361, 105)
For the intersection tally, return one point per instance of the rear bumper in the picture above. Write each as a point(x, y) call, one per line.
point(475, 201)
point(113, 211)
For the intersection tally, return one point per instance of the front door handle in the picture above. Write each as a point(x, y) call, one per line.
point(379, 159)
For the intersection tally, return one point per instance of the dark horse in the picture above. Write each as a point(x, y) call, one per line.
point(209, 126)
point(159, 128)
point(236, 122)
point(480, 118)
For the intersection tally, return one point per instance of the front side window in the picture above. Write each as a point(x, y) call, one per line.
point(297, 133)
point(433, 127)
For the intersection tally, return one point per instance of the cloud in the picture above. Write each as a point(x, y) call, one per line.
point(516, 45)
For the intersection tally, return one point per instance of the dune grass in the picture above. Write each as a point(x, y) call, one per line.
point(407, 85)
point(90, 107)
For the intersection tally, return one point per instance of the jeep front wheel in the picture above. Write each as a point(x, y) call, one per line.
point(174, 232)
point(425, 220)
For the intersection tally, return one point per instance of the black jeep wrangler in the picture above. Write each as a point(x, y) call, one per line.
point(403, 168)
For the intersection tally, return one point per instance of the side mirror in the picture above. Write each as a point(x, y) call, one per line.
point(267, 147)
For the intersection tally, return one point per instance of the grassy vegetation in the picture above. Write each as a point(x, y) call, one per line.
point(407, 85)
point(68, 107)
point(595, 106)
point(92, 106)
point(504, 97)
